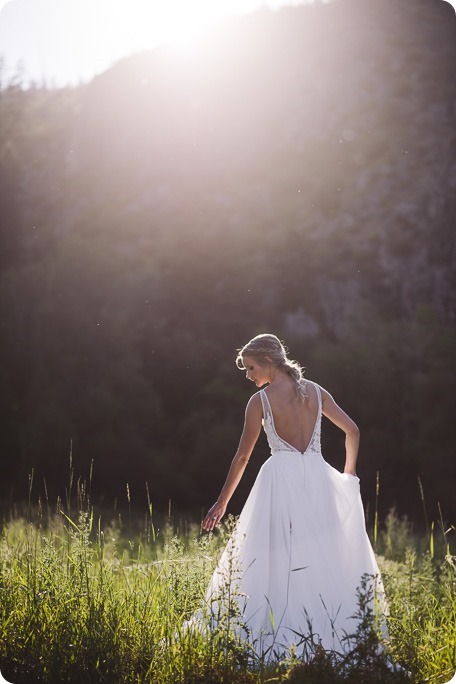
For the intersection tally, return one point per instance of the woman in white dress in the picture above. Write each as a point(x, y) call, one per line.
point(300, 548)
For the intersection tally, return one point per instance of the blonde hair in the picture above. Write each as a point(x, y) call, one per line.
point(267, 349)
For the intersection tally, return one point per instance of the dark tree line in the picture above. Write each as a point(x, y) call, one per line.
point(296, 175)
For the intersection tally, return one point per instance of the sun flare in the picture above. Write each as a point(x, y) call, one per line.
point(69, 41)
point(181, 23)
point(178, 23)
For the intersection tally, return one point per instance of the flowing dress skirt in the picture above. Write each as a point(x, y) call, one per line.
point(297, 557)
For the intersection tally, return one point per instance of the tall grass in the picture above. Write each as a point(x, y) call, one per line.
point(83, 601)
point(419, 573)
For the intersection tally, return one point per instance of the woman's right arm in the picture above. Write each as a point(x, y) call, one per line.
point(336, 415)
point(250, 433)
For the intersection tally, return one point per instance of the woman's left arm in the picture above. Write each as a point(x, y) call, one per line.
point(335, 414)
point(250, 433)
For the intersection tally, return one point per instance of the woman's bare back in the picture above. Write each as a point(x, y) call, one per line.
point(294, 419)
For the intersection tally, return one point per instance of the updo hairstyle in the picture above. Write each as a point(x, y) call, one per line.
point(268, 350)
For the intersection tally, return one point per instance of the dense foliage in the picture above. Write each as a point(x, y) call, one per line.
point(295, 174)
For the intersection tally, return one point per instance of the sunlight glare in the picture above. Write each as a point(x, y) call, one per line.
point(178, 23)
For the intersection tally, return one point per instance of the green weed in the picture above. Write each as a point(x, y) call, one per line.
point(87, 602)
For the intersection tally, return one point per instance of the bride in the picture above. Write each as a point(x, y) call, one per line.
point(300, 549)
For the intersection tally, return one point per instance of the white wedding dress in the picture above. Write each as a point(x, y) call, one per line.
point(299, 550)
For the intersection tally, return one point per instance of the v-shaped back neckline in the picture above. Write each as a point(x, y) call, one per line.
point(284, 441)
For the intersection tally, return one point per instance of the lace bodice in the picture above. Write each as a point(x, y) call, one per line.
point(275, 442)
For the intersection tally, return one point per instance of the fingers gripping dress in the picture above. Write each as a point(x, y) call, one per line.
point(299, 550)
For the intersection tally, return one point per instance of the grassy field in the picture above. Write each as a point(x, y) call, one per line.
point(87, 602)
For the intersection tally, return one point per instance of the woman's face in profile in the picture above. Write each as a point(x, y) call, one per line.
point(255, 372)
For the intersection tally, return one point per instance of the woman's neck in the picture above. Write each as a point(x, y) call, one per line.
point(279, 378)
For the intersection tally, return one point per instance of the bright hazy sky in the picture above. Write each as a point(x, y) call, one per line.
point(68, 41)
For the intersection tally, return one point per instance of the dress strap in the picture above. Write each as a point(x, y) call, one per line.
point(265, 404)
point(318, 389)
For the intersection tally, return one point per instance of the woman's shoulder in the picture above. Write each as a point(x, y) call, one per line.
point(255, 399)
point(323, 392)
point(254, 408)
point(317, 385)
point(311, 383)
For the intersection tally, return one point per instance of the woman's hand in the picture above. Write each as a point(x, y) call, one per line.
point(214, 516)
point(252, 427)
